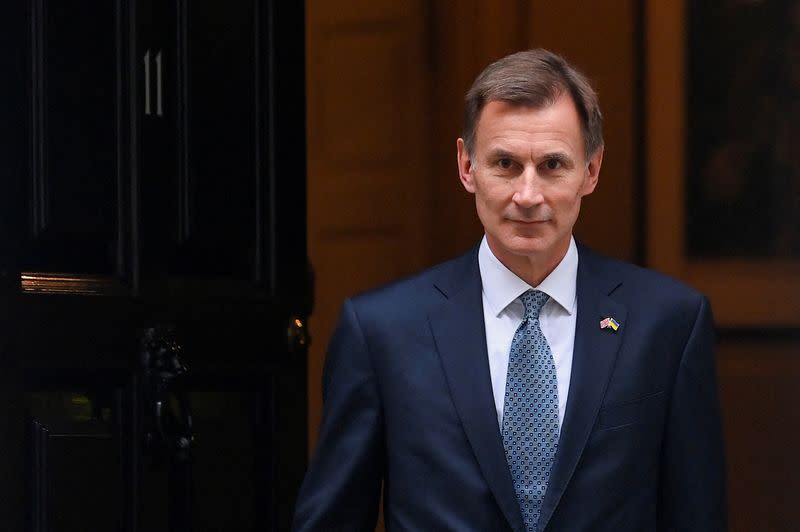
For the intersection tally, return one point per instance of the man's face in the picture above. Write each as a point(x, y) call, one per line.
point(529, 174)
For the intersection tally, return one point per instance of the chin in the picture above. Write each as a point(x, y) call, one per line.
point(526, 245)
point(530, 251)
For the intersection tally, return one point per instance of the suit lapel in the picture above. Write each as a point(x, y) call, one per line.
point(594, 354)
point(460, 335)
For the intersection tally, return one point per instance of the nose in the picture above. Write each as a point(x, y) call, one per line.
point(528, 191)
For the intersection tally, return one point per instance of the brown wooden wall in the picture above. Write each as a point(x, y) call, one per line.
point(385, 89)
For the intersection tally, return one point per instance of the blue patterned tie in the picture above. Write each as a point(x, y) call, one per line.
point(530, 410)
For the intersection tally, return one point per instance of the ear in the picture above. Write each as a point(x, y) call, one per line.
point(465, 167)
point(593, 172)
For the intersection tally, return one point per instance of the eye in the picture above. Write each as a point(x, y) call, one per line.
point(553, 164)
point(505, 164)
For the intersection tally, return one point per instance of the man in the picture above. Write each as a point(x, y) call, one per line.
point(531, 384)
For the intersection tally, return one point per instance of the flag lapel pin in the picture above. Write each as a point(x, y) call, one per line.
point(609, 323)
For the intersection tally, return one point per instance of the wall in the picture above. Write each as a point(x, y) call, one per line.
point(755, 302)
point(367, 199)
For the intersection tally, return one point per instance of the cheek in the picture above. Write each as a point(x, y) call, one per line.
point(571, 207)
point(492, 198)
point(487, 214)
point(568, 197)
point(565, 205)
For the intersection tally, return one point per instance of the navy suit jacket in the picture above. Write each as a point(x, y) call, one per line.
point(408, 403)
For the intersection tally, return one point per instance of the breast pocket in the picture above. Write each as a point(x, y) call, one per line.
point(647, 409)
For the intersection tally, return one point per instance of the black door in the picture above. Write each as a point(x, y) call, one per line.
point(152, 264)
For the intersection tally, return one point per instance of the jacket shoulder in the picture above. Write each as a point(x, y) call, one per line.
point(420, 291)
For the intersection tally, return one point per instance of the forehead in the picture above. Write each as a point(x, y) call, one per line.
point(503, 122)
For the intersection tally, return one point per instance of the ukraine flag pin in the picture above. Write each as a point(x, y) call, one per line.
point(609, 323)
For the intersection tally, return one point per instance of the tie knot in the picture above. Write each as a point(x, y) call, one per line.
point(533, 300)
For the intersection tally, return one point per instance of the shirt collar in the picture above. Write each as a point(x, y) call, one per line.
point(501, 286)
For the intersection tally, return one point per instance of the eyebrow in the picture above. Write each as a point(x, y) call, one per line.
point(561, 157)
point(500, 153)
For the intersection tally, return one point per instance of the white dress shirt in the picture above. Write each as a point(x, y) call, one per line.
point(503, 312)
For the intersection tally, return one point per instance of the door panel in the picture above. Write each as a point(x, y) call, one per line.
point(227, 441)
point(216, 228)
point(73, 184)
point(156, 144)
point(69, 429)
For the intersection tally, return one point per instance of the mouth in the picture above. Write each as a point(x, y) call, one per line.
point(528, 222)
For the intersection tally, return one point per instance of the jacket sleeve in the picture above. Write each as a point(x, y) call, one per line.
point(342, 487)
point(692, 492)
